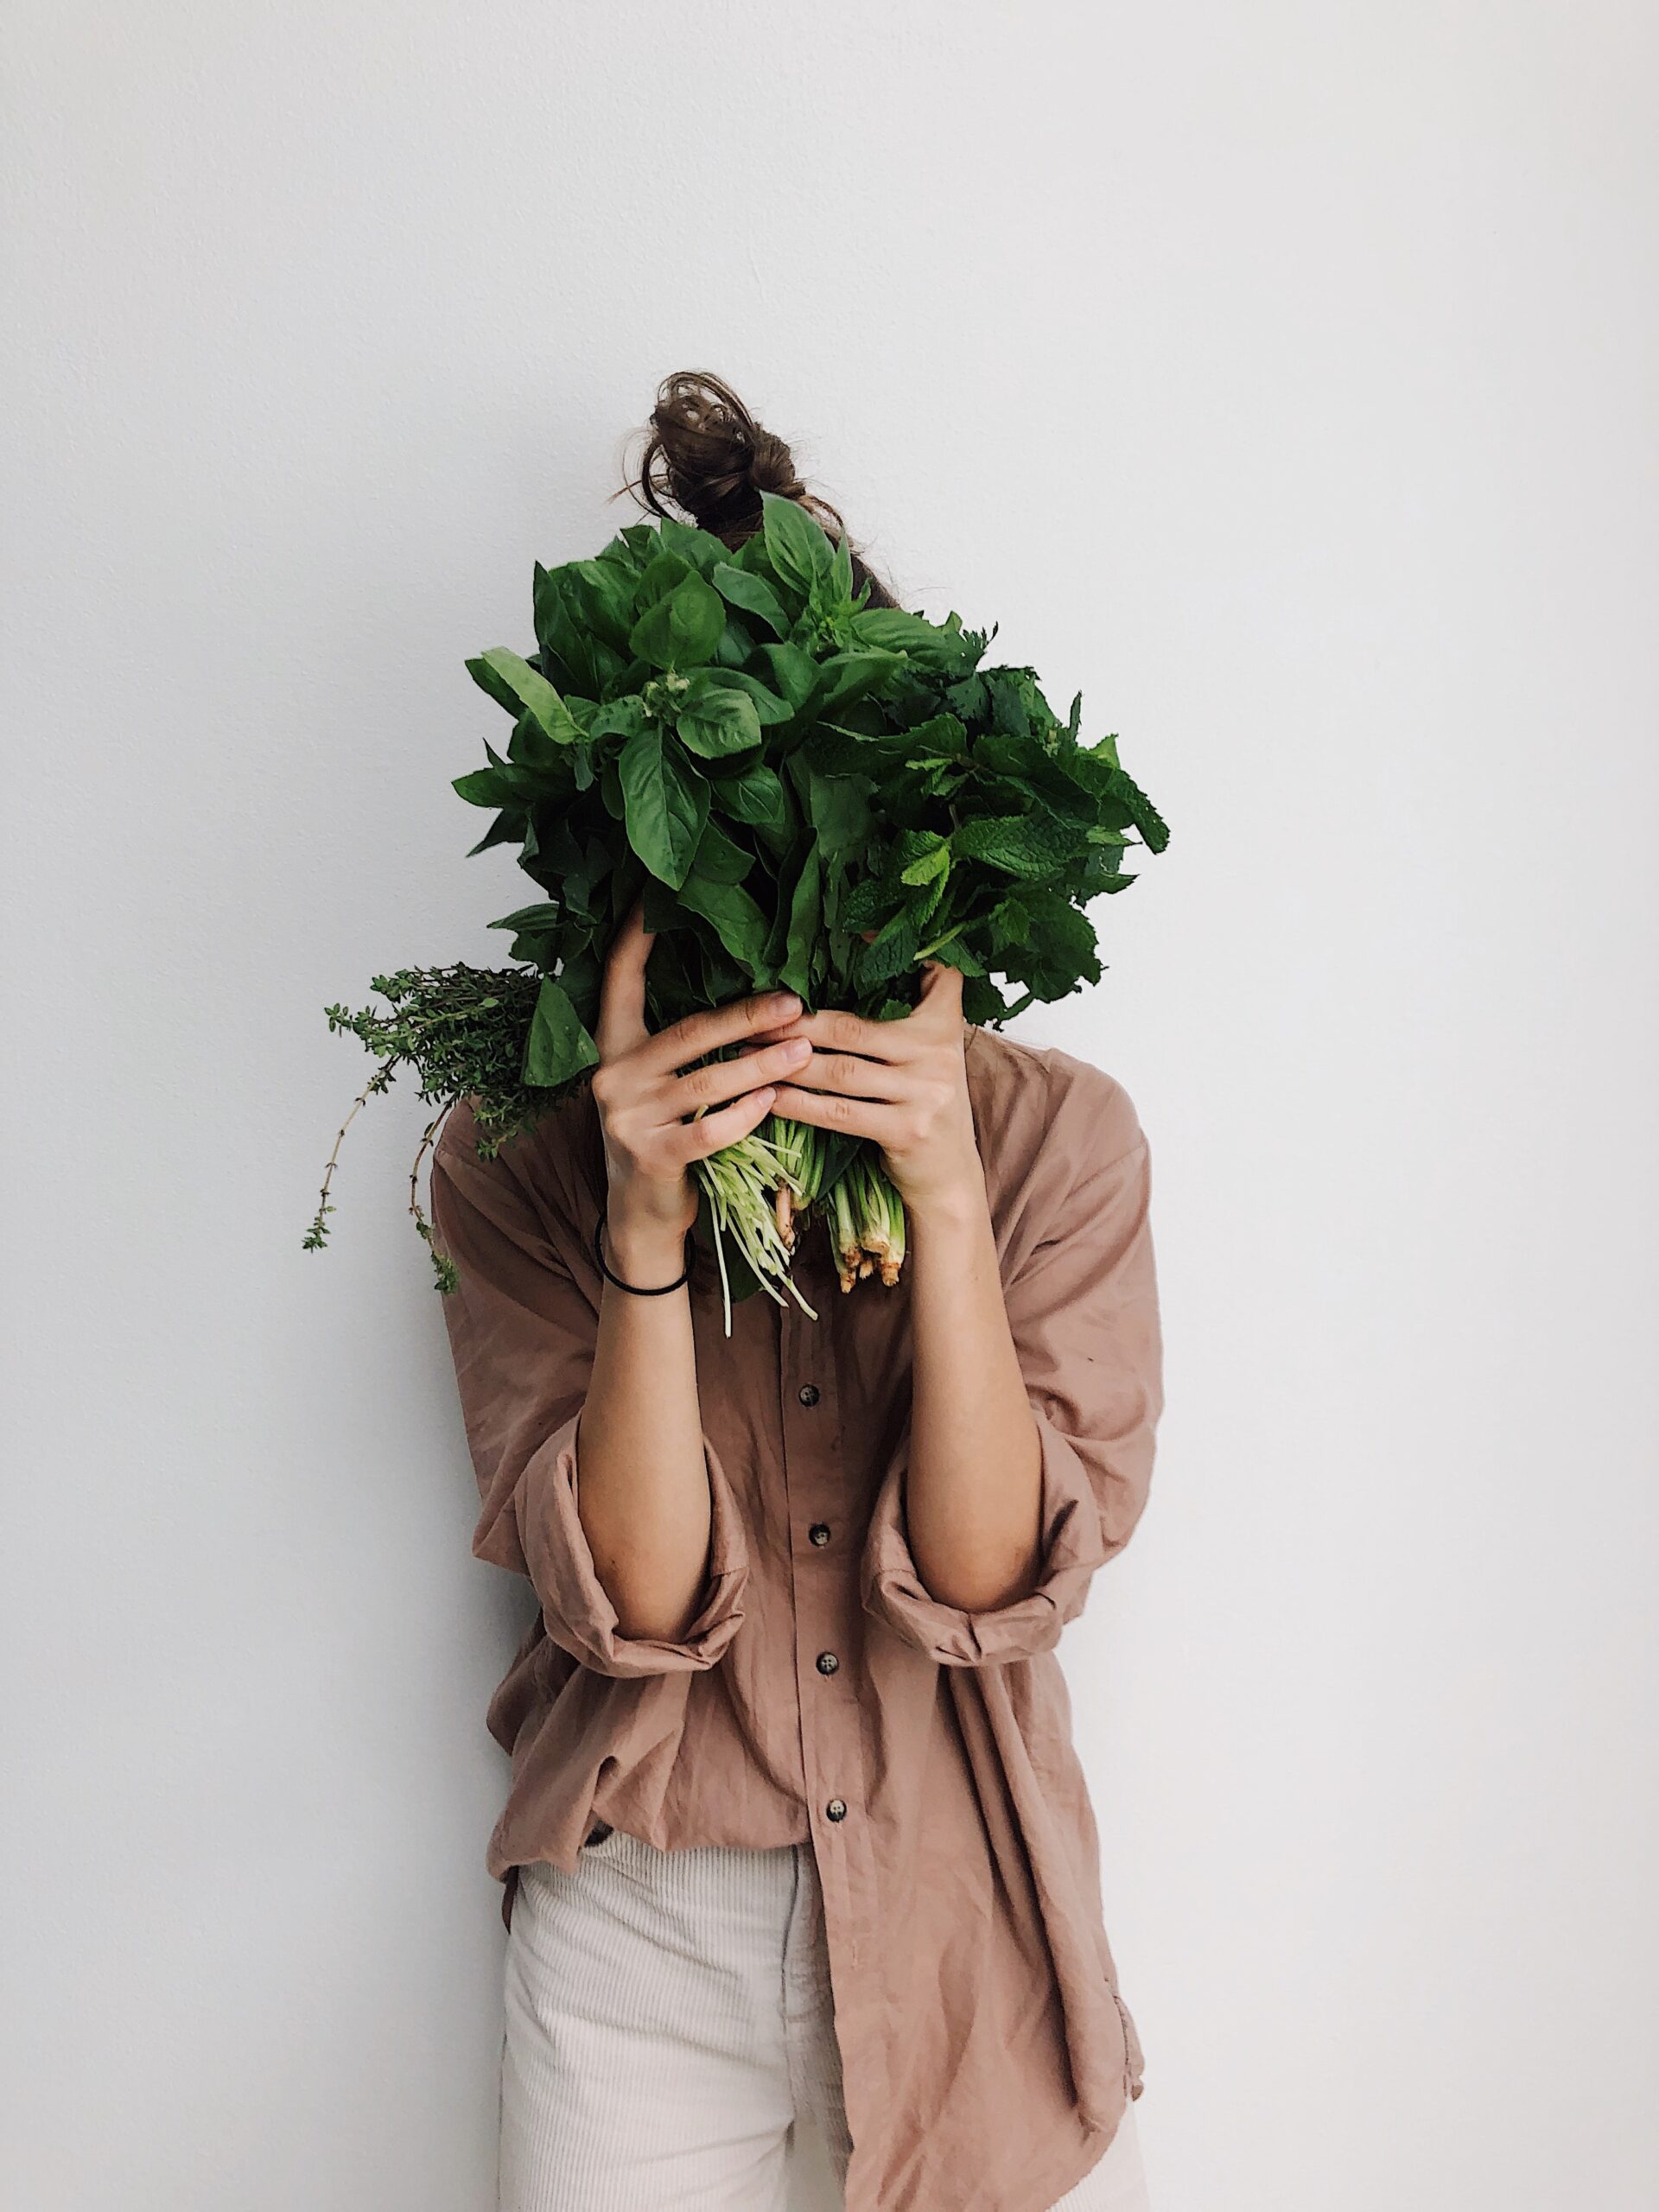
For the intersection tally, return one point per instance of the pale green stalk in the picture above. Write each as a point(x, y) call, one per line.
point(738, 1179)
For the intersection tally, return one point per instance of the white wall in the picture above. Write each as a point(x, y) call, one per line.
point(1282, 375)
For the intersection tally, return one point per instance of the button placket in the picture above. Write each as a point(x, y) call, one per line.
point(810, 1431)
point(827, 1624)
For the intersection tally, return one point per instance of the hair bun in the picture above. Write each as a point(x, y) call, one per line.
point(709, 458)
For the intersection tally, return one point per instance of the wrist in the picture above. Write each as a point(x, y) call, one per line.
point(959, 1207)
point(644, 1252)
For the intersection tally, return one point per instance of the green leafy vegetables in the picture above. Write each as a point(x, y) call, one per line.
point(806, 791)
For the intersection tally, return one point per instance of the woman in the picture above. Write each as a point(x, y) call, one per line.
point(796, 1825)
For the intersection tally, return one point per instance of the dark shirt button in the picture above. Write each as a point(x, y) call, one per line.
point(827, 1663)
point(819, 1532)
point(808, 1394)
point(836, 1809)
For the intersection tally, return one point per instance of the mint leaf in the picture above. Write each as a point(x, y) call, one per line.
point(1022, 845)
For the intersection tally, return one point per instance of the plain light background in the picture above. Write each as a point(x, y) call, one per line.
point(1283, 377)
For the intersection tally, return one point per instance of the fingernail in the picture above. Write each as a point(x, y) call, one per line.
point(785, 1001)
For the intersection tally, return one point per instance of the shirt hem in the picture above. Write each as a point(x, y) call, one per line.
point(1046, 2185)
point(1065, 2174)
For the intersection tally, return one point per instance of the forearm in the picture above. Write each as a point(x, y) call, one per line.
point(973, 1483)
point(642, 1489)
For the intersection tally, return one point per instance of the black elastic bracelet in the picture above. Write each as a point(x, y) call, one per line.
point(639, 1290)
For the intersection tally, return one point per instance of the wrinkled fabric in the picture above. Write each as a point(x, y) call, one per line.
point(986, 2051)
point(705, 1973)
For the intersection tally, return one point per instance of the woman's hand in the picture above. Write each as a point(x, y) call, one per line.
point(643, 1099)
point(903, 1084)
point(970, 1491)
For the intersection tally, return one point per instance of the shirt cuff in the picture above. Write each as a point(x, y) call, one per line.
point(578, 1613)
point(1073, 1546)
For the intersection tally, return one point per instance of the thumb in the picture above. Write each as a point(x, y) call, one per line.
point(941, 985)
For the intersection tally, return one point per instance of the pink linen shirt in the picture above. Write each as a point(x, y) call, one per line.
point(821, 1694)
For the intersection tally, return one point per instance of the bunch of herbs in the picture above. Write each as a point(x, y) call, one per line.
point(803, 791)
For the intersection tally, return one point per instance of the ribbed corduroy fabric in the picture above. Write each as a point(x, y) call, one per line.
point(669, 2017)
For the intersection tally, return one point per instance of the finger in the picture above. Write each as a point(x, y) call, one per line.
point(837, 1029)
point(622, 994)
point(756, 1041)
point(857, 1117)
point(846, 1075)
point(719, 1080)
point(726, 1125)
point(690, 1038)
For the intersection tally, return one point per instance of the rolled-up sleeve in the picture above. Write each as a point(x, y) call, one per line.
point(522, 1331)
point(1083, 1311)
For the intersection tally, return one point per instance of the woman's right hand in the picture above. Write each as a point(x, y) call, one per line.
point(643, 1099)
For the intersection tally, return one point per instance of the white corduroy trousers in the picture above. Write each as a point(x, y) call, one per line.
point(668, 2018)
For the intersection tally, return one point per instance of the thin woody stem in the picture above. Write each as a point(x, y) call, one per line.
point(427, 1140)
point(378, 1082)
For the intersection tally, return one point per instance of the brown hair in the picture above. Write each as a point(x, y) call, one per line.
point(709, 459)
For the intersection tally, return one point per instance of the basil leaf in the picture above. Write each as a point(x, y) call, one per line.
point(940, 651)
point(606, 595)
point(699, 548)
point(619, 718)
point(522, 690)
point(667, 804)
point(739, 921)
point(506, 830)
point(558, 1046)
point(754, 796)
point(849, 676)
point(798, 547)
point(768, 706)
point(483, 787)
point(794, 673)
point(805, 917)
point(752, 594)
point(719, 721)
point(543, 915)
point(720, 858)
point(683, 630)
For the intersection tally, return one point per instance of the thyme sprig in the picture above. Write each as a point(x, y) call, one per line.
point(461, 1032)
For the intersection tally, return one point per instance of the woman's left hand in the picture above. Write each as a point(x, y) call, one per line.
point(903, 1084)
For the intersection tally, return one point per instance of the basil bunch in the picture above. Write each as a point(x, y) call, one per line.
point(777, 768)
